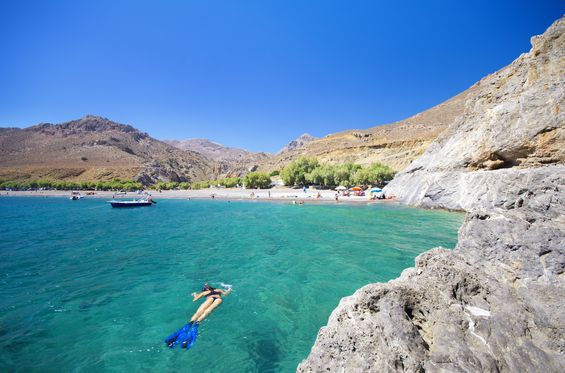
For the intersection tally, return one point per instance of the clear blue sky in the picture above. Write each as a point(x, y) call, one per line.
point(252, 74)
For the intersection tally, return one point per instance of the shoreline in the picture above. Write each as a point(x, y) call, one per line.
point(223, 194)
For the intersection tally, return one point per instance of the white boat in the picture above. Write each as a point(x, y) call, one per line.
point(76, 196)
point(133, 203)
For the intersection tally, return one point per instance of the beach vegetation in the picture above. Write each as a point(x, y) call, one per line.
point(115, 184)
point(166, 185)
point(296, 172)
point(184, 185)
point(375, 174)
point(257, 180)
point(230, 182)
point(274, 173)
point(200, 185)
point(332, 175)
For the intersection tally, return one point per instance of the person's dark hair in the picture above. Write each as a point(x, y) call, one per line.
point(207, 287)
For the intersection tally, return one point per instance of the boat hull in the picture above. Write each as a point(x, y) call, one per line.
point(130, 203)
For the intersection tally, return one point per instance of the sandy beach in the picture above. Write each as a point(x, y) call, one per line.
point(275, 195)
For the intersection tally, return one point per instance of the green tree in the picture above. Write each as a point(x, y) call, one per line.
point(230, 182)
point(256, 180)
point(343, 174)
point(375, 174)
point(200, 185)
point(325, 175)
point(184, 185)
point(296, 172)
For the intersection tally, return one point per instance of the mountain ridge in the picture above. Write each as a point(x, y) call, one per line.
point(95, 148)
point(395, 144)
point(230, 161)
point(297, 143)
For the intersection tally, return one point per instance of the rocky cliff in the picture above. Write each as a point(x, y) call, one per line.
point(95, 148)
point(494, 303)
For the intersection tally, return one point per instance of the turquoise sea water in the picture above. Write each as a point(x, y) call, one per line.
point(85, 288)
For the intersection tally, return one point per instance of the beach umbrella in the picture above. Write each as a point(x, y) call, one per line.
point(341, 187)
point(357, 189)
point(376, 190)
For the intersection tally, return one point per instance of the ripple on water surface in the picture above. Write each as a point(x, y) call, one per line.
point(85, 287)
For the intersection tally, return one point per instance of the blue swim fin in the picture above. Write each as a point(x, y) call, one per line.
point(188, 340)
point(174, 338)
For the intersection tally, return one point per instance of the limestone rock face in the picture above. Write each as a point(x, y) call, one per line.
point(495, 302)
point(517, 123)
point(492, 304)
point(517, 119)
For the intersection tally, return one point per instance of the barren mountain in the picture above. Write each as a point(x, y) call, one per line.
point(395, 145)
point(95, 148)
point(230, 161)
point(297, 143)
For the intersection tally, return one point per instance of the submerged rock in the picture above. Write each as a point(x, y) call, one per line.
point(494, 303)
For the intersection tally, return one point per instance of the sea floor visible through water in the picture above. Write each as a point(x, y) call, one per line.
point(88, 288)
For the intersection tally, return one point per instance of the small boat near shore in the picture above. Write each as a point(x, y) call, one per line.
point(76, 196)
point(133, 203)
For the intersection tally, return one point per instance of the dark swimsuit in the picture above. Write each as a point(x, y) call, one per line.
point(214, 292)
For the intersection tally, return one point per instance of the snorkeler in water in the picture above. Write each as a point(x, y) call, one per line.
point(186, 335)
point(213, 300)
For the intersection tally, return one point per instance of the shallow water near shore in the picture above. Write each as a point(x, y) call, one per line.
point(84, 287)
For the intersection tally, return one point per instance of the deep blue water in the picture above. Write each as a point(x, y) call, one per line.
point(84, 287)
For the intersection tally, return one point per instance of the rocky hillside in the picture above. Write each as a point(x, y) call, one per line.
point(395, 145)
point(230, 161)
point(494, 304)
point(517, 121)
point(297, 143)
point(94, 148)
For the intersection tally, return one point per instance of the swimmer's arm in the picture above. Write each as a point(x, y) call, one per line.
point(195, 297)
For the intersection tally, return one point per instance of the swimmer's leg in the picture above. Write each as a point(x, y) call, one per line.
point(202, 308)
point(209, 310)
